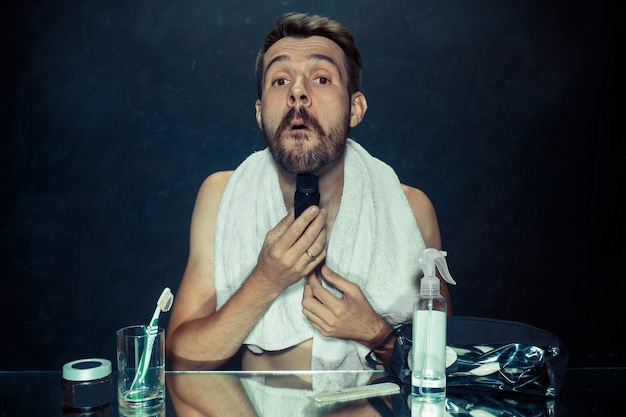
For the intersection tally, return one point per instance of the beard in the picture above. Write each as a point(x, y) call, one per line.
point(299, 160)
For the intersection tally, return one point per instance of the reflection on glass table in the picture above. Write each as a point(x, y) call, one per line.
point(587, 392)
point(276, 393)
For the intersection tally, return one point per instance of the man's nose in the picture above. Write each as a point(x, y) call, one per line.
point(299, 94)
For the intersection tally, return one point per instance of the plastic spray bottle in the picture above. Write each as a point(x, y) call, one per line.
point(429, 330)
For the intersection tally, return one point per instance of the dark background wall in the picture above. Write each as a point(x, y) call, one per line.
point(113, 112)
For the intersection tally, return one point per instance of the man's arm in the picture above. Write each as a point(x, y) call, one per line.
point(426, 218)
point(200, 336)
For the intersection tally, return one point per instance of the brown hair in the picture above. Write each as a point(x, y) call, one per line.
point(301, 25)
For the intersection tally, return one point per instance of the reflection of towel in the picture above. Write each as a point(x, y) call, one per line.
point(374, 243)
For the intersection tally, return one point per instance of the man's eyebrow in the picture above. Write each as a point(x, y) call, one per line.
point(319, 57)
point(327, 58)
point(277, 58)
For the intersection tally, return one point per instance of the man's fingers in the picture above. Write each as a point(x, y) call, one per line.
point(337, 280)
point(280, 229)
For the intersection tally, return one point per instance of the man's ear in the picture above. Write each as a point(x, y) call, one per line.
point(257, 106)
point(358, 107)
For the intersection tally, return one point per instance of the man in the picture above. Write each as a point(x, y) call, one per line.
point(321, 290)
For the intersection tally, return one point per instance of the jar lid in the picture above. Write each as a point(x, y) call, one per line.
point(86, 369)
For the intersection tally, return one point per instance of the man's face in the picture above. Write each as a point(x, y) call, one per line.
point(305, 109)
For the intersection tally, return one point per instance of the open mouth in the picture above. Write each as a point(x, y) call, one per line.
point(298, 125)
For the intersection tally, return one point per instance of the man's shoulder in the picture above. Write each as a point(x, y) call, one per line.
point(418, 200)
point(215, 184)
point(217, 180)
point(413, 193)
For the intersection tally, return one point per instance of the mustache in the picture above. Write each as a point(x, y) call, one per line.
point(302, 114)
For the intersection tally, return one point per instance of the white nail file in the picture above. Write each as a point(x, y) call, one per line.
point(356, 393)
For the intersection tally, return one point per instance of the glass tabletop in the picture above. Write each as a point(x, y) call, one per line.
point(587, 392)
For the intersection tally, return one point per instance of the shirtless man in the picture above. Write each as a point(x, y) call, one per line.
point(309, 98)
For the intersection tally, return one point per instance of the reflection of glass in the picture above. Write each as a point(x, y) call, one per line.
point(148, 395)
point(428, 409)
point(159, 411)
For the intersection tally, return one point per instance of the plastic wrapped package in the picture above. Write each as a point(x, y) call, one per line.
point(492, 355)
point(510, 367)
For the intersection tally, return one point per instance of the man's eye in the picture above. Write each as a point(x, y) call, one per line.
point(280, 82)
point(322, 80)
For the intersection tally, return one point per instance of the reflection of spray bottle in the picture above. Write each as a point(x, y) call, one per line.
point(428, 409)
point(429, 330)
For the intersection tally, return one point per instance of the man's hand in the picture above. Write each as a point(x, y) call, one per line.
point(349, 317)
point(284, 259)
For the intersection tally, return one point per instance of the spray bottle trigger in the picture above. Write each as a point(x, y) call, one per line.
point(442, 266)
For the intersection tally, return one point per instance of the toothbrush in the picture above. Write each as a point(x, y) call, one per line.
point(164, 303)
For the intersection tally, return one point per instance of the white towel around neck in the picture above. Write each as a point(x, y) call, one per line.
point(374, 243)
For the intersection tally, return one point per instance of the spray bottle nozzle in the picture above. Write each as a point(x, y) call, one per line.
point(429, 260)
